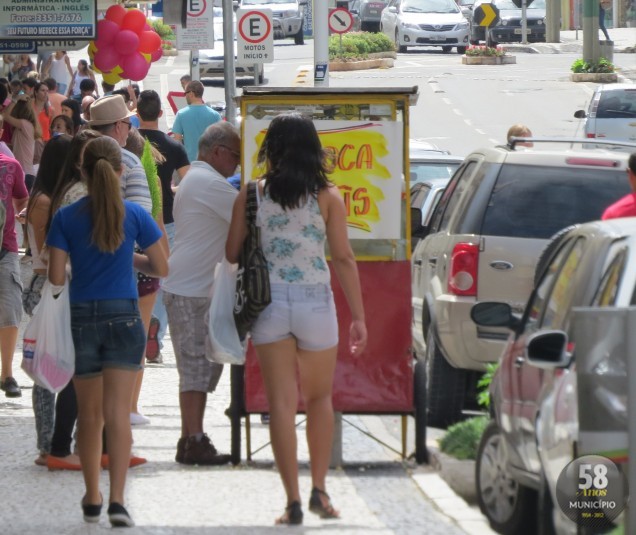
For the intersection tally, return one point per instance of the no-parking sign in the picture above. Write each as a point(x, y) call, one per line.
point(255, 38)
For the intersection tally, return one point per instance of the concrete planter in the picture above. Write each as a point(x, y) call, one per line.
point(460, 475)
point(489, 60)
point(379, 63)
point(170, 52)
point(597, 77)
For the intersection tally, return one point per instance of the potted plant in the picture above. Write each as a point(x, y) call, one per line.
point(487, 55)
point(602, 71)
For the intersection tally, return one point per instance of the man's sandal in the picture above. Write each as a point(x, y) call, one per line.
point(320, 508)
point(293, 514)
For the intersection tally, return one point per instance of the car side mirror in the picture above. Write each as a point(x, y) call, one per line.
point(354, 11)
point(416, 220)
point(580, 114)
point(392, 9)
point(302, 2)
point(548, 350)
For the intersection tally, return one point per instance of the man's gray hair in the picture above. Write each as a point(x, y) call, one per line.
point(221, 133)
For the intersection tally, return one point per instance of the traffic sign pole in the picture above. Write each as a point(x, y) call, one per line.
point(321, 44)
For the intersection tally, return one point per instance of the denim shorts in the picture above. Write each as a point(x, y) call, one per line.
point(306, 312)
point(107, 334)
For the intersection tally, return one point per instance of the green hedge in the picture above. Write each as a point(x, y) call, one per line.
point(358, 45)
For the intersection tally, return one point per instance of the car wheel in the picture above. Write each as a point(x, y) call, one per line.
point(419, 402)
point(510, 507)
point(445, 387)
point(364, 26)
point(398, 46)
point(299, 38)
point(461, 49)
point(447, 49)
point(473, 42)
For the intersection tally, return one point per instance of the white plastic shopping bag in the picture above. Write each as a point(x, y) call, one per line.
point(227, 348)
point(48, 354)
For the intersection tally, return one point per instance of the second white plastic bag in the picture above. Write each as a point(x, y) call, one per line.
point(227, 348)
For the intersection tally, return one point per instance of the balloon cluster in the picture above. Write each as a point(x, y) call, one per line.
point(126, 45)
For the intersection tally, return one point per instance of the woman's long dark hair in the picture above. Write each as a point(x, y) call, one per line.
point(51, 163)
point(70, 172)
point(75, 107)
point(295, 160)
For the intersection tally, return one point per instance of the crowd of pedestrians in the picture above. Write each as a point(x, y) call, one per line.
point(141, 262)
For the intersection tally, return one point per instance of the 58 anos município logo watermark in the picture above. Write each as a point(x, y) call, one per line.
point(592, 491)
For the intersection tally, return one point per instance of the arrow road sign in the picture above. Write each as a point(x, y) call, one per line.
point(486, 15)
point(340, 20)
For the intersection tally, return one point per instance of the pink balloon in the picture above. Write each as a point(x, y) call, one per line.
point(126, 42)
point(149, 42)
point(147, 27)
point(106, 31)
point(156, 55)
point(106, 58)
point(116, 14)
point(135, 67)
point(134, 21)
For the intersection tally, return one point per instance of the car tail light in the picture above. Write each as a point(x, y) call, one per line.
point(590, 134)
point(462, 278)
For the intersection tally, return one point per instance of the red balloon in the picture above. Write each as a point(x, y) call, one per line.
point(106, 31)
point(126, 42)
point(106, 58)
point(135, 67)
point(149, 42)
point(116, 14)
point(156, 55)
point(134, 20)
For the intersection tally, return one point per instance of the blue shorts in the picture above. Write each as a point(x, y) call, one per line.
point(306, 312)
point(107, 334)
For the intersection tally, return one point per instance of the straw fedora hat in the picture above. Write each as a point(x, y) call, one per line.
point(109, 110)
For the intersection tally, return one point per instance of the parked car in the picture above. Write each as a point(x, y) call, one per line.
point(437, 23)
point(427, 161)
point(366, 14)
point(488, 230)
point(534, 393)
point(611, 113)
point(287, 16)
point(508, 29)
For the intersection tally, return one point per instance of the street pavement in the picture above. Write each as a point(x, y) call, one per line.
point(375, 490)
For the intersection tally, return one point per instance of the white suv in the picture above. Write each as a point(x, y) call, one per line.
point(488, 230)
point(287, 16)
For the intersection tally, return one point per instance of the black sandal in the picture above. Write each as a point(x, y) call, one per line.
point(293, 514)
point(317, 506)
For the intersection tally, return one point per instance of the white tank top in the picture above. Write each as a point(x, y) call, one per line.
point(293, 242)
point(59, 71)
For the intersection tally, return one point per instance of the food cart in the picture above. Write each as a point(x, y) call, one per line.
point(367, 132)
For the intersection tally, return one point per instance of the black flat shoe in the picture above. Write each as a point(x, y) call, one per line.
point(119, 517)
point(293, 514)
point(323, 509)
point(91, 511)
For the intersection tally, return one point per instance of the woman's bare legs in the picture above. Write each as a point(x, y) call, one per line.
point(278, 367)
point(90, 423)
point(146, 304)
point(118, 385)
point(317, 370)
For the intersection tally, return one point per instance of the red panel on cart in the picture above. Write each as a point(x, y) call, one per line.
point(381, 379)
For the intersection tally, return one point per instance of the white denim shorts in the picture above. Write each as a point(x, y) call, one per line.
point(306, 312)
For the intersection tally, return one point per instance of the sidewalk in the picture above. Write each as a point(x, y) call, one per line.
point(375, 491)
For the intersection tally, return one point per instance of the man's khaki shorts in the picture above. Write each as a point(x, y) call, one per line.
point(188, 332)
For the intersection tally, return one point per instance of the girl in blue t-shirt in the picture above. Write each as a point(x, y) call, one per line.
point(98, 233)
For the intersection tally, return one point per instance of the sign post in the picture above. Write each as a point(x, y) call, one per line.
point(255, 39)
point(340, 21)
point(486, 15)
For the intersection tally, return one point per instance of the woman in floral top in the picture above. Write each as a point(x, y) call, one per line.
point(297, 334)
